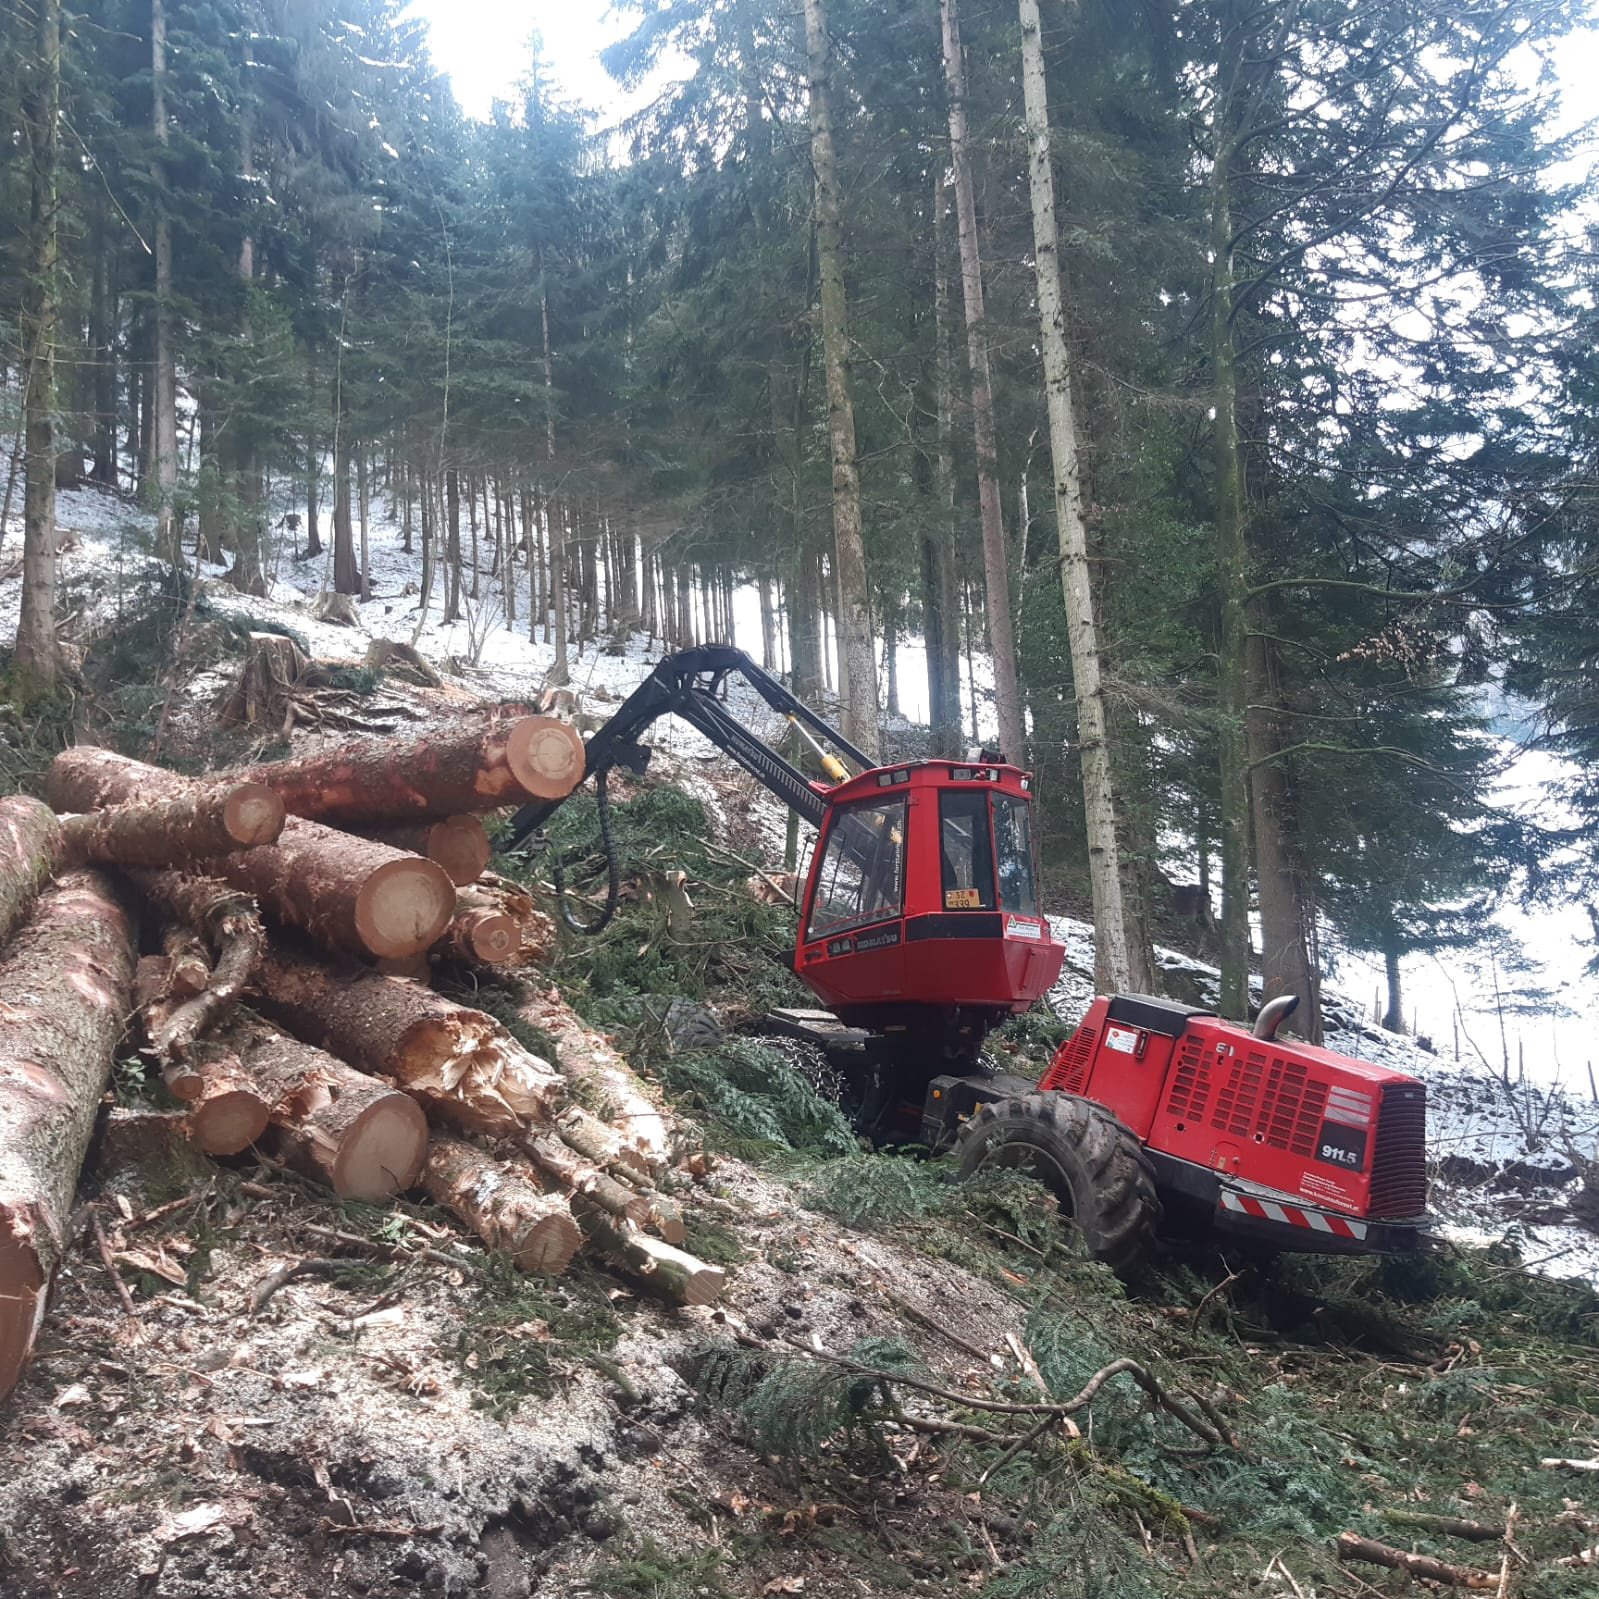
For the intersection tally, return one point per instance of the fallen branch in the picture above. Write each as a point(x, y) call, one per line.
point(103, 1244)
point(1449, 1526)
point(1351, 1546)
point(282, 1276)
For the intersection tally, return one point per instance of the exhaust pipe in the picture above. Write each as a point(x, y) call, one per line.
point(1274, 1013)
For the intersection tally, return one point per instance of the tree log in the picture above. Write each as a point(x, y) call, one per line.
point(188, 962)
point(535, 930)
point(1351, 1546)
point(226, 1111)
point(173, 832)
point(348, 894)
point(566, 1167)
point(65, 983)
point(503, 1202)
point(363, 1138)
point(481, 936)
point(232, 928)
point(660, 1267)
point(584, 1056)
point(458, 844)
point(461, 1065)
point(30, 848)
point(375, 781)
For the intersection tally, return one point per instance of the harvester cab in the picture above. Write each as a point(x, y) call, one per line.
point(920, 930)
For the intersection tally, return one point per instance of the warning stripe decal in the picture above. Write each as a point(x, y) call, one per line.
point(1293, 1215)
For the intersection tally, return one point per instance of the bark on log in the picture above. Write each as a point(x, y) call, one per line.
point(173, 832)
point(1351, 1546)
point(226, 1112)
point(503, 1202)
point(563, 1165)
point(30, 849)
point(584, 1056)
point(375, 781)
point(232, 928)
point(188, 962)
point(348, 894)
point(360, 1136)
point(65, 983)
point(461, 1065)
point(458, 844)
point(655, 1265)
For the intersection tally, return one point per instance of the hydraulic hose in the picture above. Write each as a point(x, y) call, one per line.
point(613, 868)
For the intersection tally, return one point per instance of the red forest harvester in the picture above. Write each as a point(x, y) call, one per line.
point(920, 930)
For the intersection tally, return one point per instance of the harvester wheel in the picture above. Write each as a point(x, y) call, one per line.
point(1093, 1165)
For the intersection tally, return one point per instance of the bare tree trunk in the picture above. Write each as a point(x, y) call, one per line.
point(165, 434)
point(768, 624)
point(364, 505)
point(940, 599)
point(1285, 964)
point(1231, 573)
point(996, 563)
point(103, 338)
point(313, 465)
point(452, 553)
point(1119, 965)
point(346, 573)
point(38, 655)
point(560, 668)
point(246, 574)
point(857, 657)
point(1394, 1016)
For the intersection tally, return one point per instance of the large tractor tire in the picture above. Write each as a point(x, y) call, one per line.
point(1093, 1165)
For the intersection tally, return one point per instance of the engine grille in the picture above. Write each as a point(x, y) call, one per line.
point(1257, 1095)
point(1399, 1165)
point(1075, 1059)
point(1191, 1082)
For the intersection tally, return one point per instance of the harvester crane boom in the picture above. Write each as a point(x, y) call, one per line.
point(688, 684)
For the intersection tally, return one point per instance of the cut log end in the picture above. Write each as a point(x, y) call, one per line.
point(403, 907)
point(546, 756)
point(490, 938)
point(253, 815)
point(461, 847)
point(548, 1246)
point(382, 1151)
point(21, 1306)
point(227, 1123)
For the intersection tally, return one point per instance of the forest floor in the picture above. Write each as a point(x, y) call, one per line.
point(419, 1419)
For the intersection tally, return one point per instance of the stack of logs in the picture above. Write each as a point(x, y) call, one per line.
point(289, 917)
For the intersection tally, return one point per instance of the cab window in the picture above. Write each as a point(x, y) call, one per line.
point(966, 850)
point(1013, 849)
point(862, 875)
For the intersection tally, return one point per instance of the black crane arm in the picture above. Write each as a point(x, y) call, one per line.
point(687, 684)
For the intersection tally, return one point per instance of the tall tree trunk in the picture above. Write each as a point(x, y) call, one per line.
point(38, 655)
point(940, 598)
point(1394, 1017)
point(346, 571)
point(103, 338)
point(164, 466)
point(996, 561)
point(471, 522)
point(560, 667)
point(1231, 564)
point(1119, 966)
point(249, 491)
point(1285, 965)
point(313, 467)
point(763, 586)
point(364, 508)
point(857, 657)
point(452, 553)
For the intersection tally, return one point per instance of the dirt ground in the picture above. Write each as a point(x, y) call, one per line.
point(361, 1433)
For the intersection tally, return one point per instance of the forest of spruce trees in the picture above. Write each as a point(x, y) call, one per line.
point(1210, 386)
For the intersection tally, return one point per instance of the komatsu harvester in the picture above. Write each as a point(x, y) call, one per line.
point(921, 930)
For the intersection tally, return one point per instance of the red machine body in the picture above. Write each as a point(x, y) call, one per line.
point(1275, 1133)
point(923, 896)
